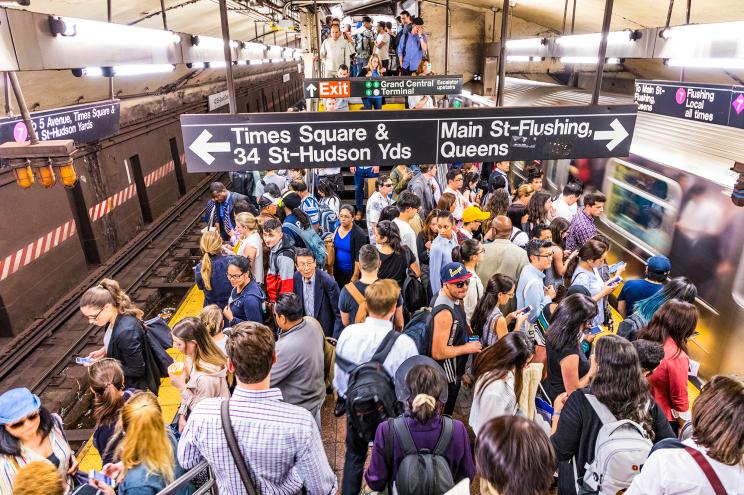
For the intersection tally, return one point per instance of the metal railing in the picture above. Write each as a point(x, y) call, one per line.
point(209, 487)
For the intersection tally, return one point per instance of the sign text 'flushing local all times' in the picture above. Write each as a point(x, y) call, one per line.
point(264, 141)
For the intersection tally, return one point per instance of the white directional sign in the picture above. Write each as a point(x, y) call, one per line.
point(221, 142)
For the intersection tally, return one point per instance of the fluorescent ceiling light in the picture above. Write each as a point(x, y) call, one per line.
point(588, 60)
point(211, 43)
point(139, 69)
point(695, 31)
point(526, 43)
point(198, 65)
point(241, 62)
point(523, 58)
point(613, 38)
point(217, 65)
point(277, 60)
point(255, 62)
point(465, 92)
point(707, 63)
point(108, 32)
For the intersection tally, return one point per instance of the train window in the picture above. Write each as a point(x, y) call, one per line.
point(641, 204)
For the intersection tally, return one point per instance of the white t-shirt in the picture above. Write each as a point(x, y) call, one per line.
point(407, 236)
point(563, 210)
point(414, 100)
point(383, 51)
point(675, 472)
point(475, 292)
point(254, 240)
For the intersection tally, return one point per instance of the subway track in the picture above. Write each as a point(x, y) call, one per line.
point(41, 358)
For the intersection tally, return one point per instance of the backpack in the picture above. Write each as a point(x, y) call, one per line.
point(413, 291)
point(422, 471)
point(621, 449)
point(243, 183)
point(158, 338)
point(630, 326)
point(328, 219)
point(370, 395)
point(361, 301)
point(312, 240)
point(329, 355)
point(419, 328)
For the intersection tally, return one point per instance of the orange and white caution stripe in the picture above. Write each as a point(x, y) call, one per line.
point(34, 250)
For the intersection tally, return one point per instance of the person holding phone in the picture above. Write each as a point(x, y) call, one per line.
point(488, 321)
point(530, 289)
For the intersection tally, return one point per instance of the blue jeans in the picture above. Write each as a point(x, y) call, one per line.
point(360, 63)
point(374, 103)
point(360, 176)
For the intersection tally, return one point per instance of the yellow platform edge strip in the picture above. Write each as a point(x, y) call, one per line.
point(169, 397)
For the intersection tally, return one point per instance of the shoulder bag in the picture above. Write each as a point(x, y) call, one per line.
point(232, 443)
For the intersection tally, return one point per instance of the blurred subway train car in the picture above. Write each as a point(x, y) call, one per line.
point(671, 196)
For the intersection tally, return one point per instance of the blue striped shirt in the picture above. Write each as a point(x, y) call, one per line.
point(280, 442)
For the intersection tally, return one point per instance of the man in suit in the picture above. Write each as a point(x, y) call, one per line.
point(318, 292)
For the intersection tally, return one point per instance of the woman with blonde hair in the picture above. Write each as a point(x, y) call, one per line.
point(373, 70)
point(204, 375)
point(109, 396)
point(148, 452)
point(210, 273)
point(212, 319)
point(107, 305)
point(250, 243)
point(425, 101)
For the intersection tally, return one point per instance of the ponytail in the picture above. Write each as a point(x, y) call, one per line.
point(570, 269)
point(210, 245)
point(423, 407)
point(389, 231)
point(107, 381)
point(591, 250)
point(302, 217)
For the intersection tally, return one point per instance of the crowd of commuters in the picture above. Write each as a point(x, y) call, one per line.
point(449, 276)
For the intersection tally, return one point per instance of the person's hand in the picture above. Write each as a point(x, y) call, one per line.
point(620, 269)
point(74, 465)
point(589, 337)
point(230, 233)
point(474, 347)
point(227, 312)
point(376, 170)
point(97, 355)
point(550, 291)
point(593, 365)
point(352, 169)
point(559, 402)
point(114, 471)
point(179, 380)
point(428, 245)
point(181, 423)
point(609, 286)
point(521, 318)
point(102, 487)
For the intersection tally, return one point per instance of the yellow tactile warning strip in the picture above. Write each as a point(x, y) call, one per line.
point(168, 397)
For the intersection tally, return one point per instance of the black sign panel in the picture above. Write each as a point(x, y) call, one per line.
point(82, 123)
point(330, 139)
point(707, 103)
point(385, 86)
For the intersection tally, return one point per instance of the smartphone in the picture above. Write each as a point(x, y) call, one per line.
point(83, 360)
point(96, 475)
point(594, 330)
point(473, 338)
point(616, 280)
point(526, 309)
point(613, 268)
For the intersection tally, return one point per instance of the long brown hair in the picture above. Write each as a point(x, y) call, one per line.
point(716, 419)
point(191, 328)
point(210, 245)
point(428, 234)
point(446, 200)
point(426, 385)
point(107, 382)
point(512, 352)
point(590, 251)
point(675, 319)
point(109, 292)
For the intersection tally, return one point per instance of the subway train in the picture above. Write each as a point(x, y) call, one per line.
point(670, 196)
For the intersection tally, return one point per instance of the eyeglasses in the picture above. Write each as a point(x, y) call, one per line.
point(458, 179)
point(306, 264)
point(462, 283)
point(550, 255)
point(95, 317)
point(234, 277)
point(31, 417)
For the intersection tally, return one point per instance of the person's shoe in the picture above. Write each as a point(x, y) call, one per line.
point(340, 408)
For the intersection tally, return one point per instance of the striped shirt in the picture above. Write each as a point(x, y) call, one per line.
point(280, 442)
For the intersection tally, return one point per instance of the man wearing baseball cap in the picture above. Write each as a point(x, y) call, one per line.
point(472, 219)
point(449, 344)
point(657, 271)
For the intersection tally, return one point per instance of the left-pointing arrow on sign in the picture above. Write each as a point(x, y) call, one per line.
point(311, 89)
point(204, 149)
point(616, 135)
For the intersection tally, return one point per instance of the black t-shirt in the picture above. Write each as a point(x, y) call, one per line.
point(554, 383)
point(577, 432)
point(515, 212)
point(394, 265)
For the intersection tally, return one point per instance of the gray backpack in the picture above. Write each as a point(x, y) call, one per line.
point(621, 449)
point(422, 471)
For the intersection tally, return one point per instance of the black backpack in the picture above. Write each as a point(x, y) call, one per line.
point(630, 327)
point(413, 291)
point(420, 329)
point(422, 471)
point(370, 395)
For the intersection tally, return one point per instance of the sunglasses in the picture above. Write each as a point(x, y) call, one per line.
point(31, 417)
point(461, 284)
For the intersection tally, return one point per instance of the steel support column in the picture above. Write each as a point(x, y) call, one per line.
point(602, 51)
point(502, 54)
point(446, 35)
point(228, 57)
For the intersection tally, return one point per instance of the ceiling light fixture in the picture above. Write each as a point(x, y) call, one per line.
point(706, 63)
point(523, 58)
point(588, 60)
point(526, 43)
point(613, 38)
point(124, 70)
point(704, 31)
point(106, 32)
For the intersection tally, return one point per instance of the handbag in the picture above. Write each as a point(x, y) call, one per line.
point(330, 252)
point(210, 226)
point(232, 443)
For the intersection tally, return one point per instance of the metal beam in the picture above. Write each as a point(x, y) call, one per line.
point(110, 79)
point(502, 54)
point(162, 11)
point(22, 106)
point(228, 58)
point(602, 51)
point(446, 35)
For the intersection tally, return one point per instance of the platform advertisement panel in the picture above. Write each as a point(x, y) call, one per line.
point(286, 140)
